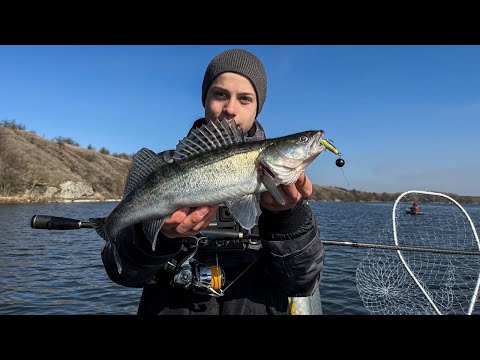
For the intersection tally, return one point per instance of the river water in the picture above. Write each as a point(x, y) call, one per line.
point(61, 272)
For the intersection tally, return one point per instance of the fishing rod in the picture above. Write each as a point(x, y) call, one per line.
point(61, 223)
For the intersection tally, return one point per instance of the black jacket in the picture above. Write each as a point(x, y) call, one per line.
point(289, 262)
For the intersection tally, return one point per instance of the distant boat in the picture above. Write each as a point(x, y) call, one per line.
point(411, 212)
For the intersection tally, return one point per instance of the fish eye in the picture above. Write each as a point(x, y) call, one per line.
point(303, 139)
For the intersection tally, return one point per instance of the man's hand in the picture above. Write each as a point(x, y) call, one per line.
point(188, 221)
point(292, 194)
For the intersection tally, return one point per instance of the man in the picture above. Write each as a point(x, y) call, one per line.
point(415, 208)
point(258, 279)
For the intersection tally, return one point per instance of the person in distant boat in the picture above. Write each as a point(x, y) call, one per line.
point(257, 278)
point(415, 208)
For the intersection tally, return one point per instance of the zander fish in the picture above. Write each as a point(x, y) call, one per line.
point(212, 165)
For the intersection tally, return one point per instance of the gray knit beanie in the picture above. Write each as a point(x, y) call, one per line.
point(241, 62)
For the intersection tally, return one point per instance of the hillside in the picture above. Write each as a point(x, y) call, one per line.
point(33, 168)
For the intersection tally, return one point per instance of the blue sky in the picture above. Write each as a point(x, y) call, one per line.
point(404, 117)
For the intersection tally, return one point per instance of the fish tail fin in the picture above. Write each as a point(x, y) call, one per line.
point(99, 226)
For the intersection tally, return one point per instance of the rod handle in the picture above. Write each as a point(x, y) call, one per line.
point(54, 223)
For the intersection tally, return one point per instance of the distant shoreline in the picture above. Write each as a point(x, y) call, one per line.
point(24, 200)
point(390, 199)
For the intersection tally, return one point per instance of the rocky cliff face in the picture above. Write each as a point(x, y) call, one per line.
point(68, 190)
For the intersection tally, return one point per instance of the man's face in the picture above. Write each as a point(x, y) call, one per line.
point(232, 96)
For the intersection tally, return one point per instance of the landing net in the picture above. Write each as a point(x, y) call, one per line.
point(414, 282)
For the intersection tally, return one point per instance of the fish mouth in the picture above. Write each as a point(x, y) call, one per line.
point(316, 145)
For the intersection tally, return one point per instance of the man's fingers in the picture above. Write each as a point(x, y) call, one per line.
point(207, 219)
point(291, 192)
point(196, 220)
point(178, 216)
point(301, 180)
point(192, 219)
point(304, 186)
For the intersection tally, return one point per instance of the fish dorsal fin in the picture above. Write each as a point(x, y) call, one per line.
point(245, 209)
point(144, 163)
point(212, 135)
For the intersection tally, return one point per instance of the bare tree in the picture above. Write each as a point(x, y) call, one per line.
point(12, 124)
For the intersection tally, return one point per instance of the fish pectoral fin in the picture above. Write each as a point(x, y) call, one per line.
point(245, 209)
point(268, 181)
